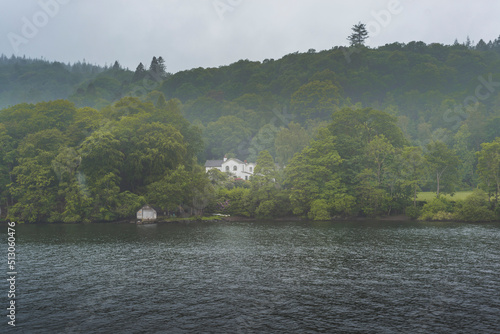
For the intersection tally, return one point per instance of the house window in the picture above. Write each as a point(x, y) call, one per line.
point(246, 178)
point(227, 168)
point(235, 168)
point(251, 169)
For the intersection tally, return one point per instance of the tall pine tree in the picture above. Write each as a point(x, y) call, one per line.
point(359, 35)
point(140, 73)
point(157, 67)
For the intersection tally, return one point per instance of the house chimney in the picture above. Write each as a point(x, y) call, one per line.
point(225, 158)
point(246, 162)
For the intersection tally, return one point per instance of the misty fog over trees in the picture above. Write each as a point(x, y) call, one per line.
point(342, 132)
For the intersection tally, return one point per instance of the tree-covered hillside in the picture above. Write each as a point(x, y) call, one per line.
point(359, 130)
point(24, 80)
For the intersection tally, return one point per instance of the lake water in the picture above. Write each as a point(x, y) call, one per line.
point(258, 277)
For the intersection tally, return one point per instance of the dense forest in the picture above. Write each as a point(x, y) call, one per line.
point(342, 132)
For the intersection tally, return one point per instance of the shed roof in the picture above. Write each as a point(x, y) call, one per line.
point(147, 207)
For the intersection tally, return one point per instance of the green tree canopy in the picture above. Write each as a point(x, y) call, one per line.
point(489, 166)
point(315, 99)
point(289, 141)
point(229, 134)
point(313, 174)
point(443, 163)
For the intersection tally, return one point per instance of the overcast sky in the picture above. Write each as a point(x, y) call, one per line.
point(210, 33)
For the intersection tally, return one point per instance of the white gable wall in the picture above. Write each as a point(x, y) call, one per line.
point(236, 168)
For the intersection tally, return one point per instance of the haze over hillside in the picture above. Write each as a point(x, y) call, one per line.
point(417, 82)
point(117, 138)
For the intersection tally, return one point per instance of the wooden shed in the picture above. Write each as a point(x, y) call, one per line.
point(146, 213)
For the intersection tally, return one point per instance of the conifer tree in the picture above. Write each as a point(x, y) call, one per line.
point(153, 67)
point(157, 67)
point(140, 73)
point(162, 69)
point(359, 35)
point(481, 46)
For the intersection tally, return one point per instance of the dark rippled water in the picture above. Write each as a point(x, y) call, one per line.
point(260, 277)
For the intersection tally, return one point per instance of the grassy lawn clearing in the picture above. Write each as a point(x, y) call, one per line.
point(429, 195)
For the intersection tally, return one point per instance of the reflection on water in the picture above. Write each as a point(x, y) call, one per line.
point(388, 277)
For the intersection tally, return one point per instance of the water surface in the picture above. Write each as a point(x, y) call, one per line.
point(259, 277)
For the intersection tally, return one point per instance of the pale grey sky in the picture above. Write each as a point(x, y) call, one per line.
point(210, 33)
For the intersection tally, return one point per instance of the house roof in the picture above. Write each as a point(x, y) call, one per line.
point(237, 160)
point(214, 163)
point(218, 163)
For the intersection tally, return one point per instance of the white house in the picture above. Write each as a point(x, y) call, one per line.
point(237, 168)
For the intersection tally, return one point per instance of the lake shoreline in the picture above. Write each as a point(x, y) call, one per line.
point(215, 219)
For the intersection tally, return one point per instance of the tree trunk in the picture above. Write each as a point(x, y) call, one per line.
point(8, 194)
point(437, 179)
point(496, 195)
point(489, 193)
point(415, 197)
point(378, 173)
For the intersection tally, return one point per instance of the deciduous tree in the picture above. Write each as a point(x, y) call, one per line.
point(442, 163)
point(489, 166)
point(289, 141)
point(315, 99)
